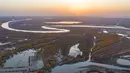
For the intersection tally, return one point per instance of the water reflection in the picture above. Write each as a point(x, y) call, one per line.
point(6, 43)
point(64, 22)
point(20, 59)
point(66, 54)
point(123, 62)
point(26, 60)
point(66, 57)
point(55, 30)
point(75, 51)
point(79, 66)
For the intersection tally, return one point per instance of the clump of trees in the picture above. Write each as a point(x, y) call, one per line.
point(105, 40)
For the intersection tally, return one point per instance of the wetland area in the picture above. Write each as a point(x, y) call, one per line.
point(64, 45)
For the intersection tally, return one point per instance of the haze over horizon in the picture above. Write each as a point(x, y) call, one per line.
point(102, 8)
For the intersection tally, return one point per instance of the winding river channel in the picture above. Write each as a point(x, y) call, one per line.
point(56, 29)
point(70, 68)
point(52, 30)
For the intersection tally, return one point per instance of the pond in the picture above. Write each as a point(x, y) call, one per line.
point(24, 59)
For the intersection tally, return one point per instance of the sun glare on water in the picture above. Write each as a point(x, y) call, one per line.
point(64, 22)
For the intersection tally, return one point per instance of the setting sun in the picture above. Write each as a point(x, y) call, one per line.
point(76, 5)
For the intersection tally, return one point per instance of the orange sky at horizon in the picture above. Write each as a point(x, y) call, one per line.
point(75, 7)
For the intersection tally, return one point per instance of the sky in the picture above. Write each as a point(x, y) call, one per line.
point(105, 8)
